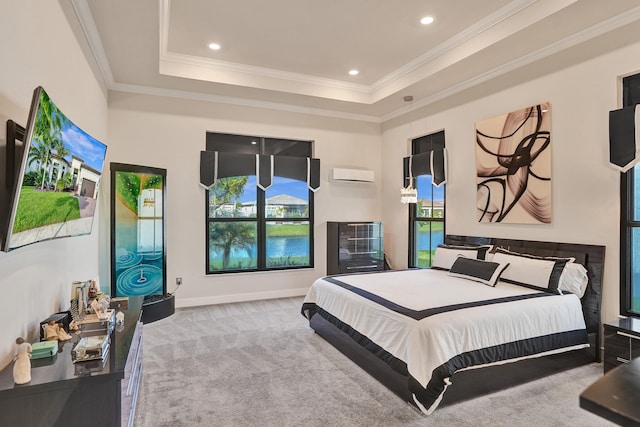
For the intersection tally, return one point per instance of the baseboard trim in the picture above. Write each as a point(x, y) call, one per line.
point(224, 299)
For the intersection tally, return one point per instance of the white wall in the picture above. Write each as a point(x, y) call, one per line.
point(170, 133)
point(585, 190)
point(39, 48)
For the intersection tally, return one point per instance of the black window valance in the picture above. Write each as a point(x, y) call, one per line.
point(432, 163)
point(220, 164)
point(624, 137)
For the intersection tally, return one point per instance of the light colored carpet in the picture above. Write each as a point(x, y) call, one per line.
point(259, 364)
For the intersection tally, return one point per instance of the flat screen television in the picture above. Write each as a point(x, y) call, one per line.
point(57, 178)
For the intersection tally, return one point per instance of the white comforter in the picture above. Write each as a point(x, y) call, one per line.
point(425, 339)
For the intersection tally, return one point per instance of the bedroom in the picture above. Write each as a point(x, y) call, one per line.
point(168, 132)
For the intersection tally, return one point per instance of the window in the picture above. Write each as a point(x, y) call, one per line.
point(251, 229)
point(427, 217)
point(630, 219)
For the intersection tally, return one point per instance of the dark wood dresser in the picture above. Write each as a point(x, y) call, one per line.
point(63, 393)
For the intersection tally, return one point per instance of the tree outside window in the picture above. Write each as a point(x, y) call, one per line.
point(427, 216)
point(250, 229)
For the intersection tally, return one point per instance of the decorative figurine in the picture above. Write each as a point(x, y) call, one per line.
point(51, 331)
point(22, 365)
point(119, 317)
point(62, 334)
point(93, 289)
point(55, 331)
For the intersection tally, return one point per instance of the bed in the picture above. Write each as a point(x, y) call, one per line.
point(490, 314)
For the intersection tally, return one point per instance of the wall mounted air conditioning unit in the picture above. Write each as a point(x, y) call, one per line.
point(352, 175)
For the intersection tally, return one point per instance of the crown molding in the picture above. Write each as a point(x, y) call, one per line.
point(568, 42)
point(228, 100)
point(83, 13)
point(341, 90)
point(197, 61)
point(88, 25)
point(468, 34)
point(191, 67)
point(206, 69)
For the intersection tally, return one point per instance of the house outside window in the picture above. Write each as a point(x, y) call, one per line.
point(427, 216)
point(251, 229)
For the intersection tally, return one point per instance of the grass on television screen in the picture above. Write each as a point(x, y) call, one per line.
point(39, 208)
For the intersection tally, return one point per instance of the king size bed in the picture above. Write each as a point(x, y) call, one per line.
point(489, 314)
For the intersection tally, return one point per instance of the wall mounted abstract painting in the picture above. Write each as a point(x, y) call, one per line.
point(513, 163)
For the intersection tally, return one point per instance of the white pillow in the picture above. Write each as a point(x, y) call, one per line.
point(446, 255)
point(573, 279)
point(532, 271)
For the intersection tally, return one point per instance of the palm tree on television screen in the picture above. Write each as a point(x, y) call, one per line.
point(47, 132)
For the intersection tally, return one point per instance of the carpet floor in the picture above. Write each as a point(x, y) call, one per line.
point(259, 364)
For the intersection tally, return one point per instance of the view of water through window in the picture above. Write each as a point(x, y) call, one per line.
point(233, 245)
point(292, 246)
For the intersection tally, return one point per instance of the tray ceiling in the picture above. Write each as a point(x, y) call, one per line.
point(295, 54)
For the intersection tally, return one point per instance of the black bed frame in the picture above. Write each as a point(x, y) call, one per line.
point(476, 382)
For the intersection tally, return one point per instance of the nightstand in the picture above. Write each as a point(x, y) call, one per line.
point(621, 342)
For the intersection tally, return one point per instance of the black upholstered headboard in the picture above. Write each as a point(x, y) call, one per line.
point(590, 256)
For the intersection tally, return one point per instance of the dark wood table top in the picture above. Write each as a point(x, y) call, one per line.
point(50, 372)
point(616, 396)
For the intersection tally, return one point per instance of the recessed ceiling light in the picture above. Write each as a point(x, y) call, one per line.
point(354, 72)
point(426, 20)
point(214, 46)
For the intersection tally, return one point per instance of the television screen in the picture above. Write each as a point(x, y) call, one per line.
point(58, 179)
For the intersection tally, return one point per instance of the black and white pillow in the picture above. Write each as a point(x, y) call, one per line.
point(486, 272)
point(532, 271)
point(446, 255)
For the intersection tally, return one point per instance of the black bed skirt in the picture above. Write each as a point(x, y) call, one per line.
point(465, 384)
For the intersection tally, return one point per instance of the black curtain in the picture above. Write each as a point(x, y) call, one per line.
point(624, 127)
point(219, 164)
point(432, 163)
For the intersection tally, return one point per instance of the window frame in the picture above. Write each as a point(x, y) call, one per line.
point(242, 144)
point(630, 96)
point(422, 144)
point(626, 230)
